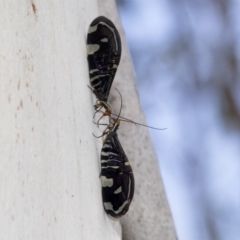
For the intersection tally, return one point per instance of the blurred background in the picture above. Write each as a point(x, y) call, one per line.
point(186, 58)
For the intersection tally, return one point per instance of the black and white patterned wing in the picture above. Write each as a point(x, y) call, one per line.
point(104, 53)
point(116, 177)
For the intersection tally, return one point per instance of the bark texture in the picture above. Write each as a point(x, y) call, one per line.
point(149, 216)
point(49, 186)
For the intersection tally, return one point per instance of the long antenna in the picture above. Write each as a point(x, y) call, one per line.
point(108, 112)
point(120, 105)
point(130, 121)
point(123, 119)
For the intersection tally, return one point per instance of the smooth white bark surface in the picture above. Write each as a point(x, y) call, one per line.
point(49, 160)
point(149, 216)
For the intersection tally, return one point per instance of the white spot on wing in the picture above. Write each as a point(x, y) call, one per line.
point(93, 70)
point(104, 153)
point(104, 40)
point(106, 145)
point(106, 182)
point(109, 206)
point(98, 76)
point(92, 48)
point(118, 190)
point(92, 29)
point(103, 161)
point(110, 167)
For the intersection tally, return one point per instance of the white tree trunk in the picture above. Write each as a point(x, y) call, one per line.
point(149, 217)
point(49, 160)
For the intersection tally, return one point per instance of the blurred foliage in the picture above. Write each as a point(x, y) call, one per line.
point(201, 56)
point(197, 56)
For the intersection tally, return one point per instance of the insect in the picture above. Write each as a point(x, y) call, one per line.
point(104, 53)
point(116, 174)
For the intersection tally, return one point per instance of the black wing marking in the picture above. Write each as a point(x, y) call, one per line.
point(104, 53)
point(116, 177)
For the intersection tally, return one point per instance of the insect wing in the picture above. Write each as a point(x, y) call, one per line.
point(104, 53)
point(116, 177)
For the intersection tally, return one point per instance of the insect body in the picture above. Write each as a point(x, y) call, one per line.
point(116, 175)
point(104, 52)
